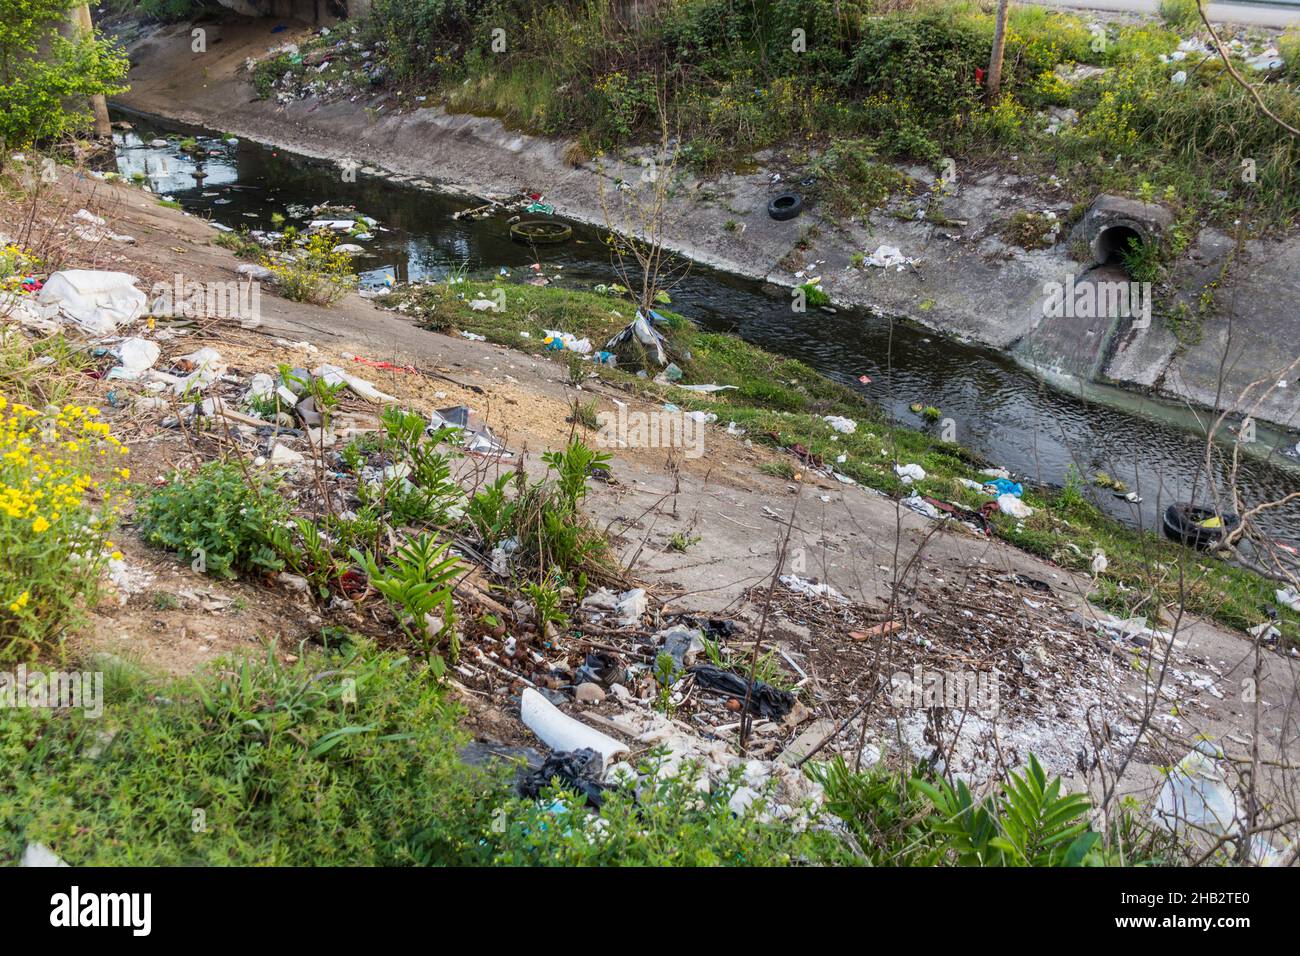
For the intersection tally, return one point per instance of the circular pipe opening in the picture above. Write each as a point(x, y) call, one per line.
point(1115, 240)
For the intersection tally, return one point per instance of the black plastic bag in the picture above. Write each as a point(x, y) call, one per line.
point(766, 700)
point(576, 770)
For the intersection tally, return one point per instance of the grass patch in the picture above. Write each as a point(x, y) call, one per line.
point(241, 244)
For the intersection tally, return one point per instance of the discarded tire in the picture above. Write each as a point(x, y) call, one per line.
point(540, 231)
point(785, 206)
point(1197, 527)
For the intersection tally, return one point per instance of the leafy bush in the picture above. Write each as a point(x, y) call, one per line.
point(47, 77)
point(61, 484)
point(917, 73)
point(1288, 45)
point(1141, 260)
point(1028, 821)
point(220, 517)
point(852, 183)
point(549, 533)
point(348, 758)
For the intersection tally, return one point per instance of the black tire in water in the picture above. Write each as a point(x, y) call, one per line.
point(1183, 524)
point(785, 206)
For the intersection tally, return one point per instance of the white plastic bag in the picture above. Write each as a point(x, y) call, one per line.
point(98, 302)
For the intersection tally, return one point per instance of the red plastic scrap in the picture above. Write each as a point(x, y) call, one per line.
point(388, 366)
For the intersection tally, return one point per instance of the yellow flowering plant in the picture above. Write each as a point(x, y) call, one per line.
point(62, 483)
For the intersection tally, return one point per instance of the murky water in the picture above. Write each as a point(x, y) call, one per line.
point(999, 409)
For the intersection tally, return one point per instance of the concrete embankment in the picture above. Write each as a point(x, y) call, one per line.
point(966, 282)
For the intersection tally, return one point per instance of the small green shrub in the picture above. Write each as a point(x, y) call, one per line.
point(1180, 15)
point(815, 295)
point(315, 271)
point(222, 519)
point(1141, 260)
point(417, 581)
point(240, 243)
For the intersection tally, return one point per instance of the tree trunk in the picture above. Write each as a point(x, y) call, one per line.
point(994, 79)
point(81, 27)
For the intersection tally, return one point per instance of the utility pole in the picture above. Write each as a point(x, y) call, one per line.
point(82, 28)
point(994, 79)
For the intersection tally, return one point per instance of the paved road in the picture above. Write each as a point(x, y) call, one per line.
point(1247, 14)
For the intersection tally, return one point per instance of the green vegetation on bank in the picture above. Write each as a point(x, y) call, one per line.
point(352, 757)
point(803, 75)
point(47, 78)
point(782, 402)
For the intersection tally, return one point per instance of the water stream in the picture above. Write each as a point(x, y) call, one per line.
point(1000, 409)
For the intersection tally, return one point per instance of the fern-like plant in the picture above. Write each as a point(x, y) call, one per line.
point(416, 581)
point(1030, 823)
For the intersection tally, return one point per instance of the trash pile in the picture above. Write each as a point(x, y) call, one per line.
point(1014, 669)
point(331, 64)
point(646, 709)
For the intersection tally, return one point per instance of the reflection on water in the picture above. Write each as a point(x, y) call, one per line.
point(1000, 410)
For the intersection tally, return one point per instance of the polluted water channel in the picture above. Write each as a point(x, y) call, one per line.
point(1000, 410)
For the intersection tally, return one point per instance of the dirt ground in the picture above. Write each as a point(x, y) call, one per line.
point(1069, 691)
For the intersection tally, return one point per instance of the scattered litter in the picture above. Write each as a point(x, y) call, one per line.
point(644, 332)
point(601, 668)
point(706, 389)
point(920, 505)
point(1196, 798)
point(629, 605)
point(845, 426)
point(205, 366)
point(333, 375)
point(889, 256)
point(38, 854)
point(1011, 505)
point(560, 341)
point(1005, 486)
point(576, 770)
point(812, 588)
point(252, 270)
point(909, 473)
point(682, 643)
point(134, 356)
point(883, 629)
point(1289, 597)
point(765, 700)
